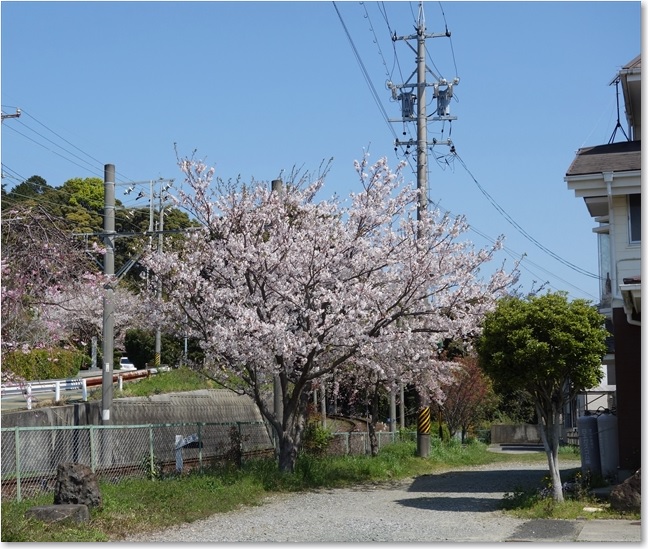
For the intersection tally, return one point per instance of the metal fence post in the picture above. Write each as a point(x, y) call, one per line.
point(93, 449)
point(151, 456)
point(17, 442)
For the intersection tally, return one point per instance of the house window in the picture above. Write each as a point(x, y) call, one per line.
point(634, 207)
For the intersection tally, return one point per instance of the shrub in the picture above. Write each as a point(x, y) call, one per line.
point(45, 363)
point(316, 439)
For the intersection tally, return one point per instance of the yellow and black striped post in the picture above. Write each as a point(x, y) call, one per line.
point(423, 432)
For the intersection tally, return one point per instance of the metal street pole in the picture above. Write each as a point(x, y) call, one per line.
point(158, 331)
point(108, 300)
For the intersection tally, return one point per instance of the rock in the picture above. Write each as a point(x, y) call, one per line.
point(627, 495)
point(77, 484)
point(56, 513)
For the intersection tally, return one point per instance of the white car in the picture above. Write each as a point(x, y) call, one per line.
point(125, 364)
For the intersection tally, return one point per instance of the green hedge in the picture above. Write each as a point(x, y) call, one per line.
point(45, 363)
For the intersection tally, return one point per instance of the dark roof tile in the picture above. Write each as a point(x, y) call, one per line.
point(615, 157)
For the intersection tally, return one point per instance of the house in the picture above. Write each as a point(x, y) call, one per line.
point(608, 178)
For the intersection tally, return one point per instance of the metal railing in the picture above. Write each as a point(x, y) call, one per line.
point(29, 389)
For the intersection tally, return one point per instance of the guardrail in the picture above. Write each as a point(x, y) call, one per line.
point(56, 386)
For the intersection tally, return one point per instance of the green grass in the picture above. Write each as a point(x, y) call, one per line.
point(141, 505)
point(538, 504)
point(173, 381)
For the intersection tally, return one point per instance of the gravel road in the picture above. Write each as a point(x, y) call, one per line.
point(458, 506)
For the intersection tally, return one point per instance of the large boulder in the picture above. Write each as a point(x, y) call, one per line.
point(76, 483)
point(627, 495)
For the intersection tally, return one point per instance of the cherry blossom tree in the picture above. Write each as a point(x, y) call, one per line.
point(76, 311)
point(38, 254)
point(277, 285)
point(52, 290)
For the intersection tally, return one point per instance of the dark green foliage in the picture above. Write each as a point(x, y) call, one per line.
point(140, 348)
point(42, 364)
point(536, 344)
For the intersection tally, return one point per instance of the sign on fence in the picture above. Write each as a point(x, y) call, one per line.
point(192, 441)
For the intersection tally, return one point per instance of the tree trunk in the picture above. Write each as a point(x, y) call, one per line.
point(287, 454)
point(289, 427)
point(373, 438)
point(550, 434)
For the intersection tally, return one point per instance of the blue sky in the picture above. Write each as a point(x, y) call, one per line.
point(261, 87)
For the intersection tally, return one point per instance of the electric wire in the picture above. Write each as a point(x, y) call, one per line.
point(522, 258)
point(364, 71)
point(62, 138)
point(524, 233)
point(396, 63)
point(366, 76)
point(97, 170)
point(39, 199)
point(375, 39)
point(93, 171)
point(445, 22)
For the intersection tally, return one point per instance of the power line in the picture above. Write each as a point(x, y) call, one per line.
point(522, 258)
point(524, 233)
point(364, 71)
point(95, 169)
point(367, 78)
point(53, 151)
point(39, 199)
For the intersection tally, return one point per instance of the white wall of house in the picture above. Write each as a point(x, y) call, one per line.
point(626, 253)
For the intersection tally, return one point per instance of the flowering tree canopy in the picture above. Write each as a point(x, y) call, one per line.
point(38, 254)
point(52, 290)
point(76, 311)
point(277, 285)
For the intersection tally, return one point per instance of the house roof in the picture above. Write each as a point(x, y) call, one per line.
point(634, 64)
point(614, 157)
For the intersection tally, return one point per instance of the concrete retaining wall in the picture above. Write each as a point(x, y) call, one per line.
point(208, 405)
point(523, 433)
point(163, 417)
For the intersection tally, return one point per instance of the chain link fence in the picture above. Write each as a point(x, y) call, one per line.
point(30, 455)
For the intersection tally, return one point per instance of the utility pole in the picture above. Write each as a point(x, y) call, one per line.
point(108, 305)
point(158, 331)
point(109, 235)
point(421, 120)
point(276, 187)
point(442, 93)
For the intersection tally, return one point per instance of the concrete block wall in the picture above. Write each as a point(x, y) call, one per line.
point(523, 433)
